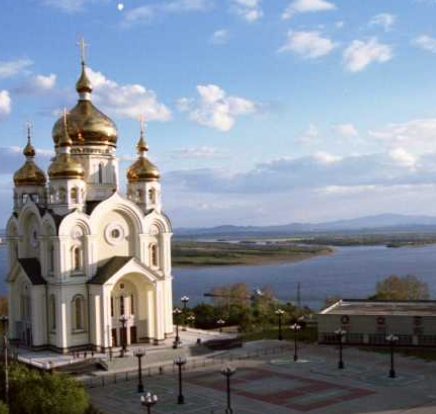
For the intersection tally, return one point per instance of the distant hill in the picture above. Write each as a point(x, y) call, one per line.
point(379, 223)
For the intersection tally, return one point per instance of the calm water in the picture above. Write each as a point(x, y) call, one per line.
point(350, 272)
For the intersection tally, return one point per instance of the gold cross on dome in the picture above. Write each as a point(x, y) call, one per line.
point(81, 43)
point(29, 127)
point(141, 119)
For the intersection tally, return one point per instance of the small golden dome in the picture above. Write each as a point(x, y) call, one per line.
point(64, 165)
point(83, 84)
point(29, 173)
point(142, 170)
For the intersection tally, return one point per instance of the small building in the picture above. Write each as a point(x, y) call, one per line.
point(368, 322)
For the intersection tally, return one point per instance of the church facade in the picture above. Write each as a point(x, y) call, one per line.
point(89, 268)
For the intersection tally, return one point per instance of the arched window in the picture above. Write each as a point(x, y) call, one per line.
point(138, 195)
point(153, 255)
point(52, 312)
point(100, 173)
point(152, 195)
point(78, 313)
point(62, 195)
point(77, 258)
point(52, 195)
point(74, 195)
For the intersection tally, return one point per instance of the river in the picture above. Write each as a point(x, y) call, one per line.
point(350, 272)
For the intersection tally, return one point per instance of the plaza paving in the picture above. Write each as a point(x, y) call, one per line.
point(277, 385)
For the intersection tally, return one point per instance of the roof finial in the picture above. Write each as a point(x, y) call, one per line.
point(29, 151)
point(83, 47)
point(142, 146)
point(83, 86)
point(65, 140)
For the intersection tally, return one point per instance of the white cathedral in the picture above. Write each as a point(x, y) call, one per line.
point(89, 268)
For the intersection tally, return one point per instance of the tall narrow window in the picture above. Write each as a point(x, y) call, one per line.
point(74, 195)
point(52, 312)
point(77, 259)
point(122, 305)
point(112, 306)
point(132, 305)
point(152, 195)
point(153, 255)
point(51, 257)
point(100, 173)
point(78, 304)
point(138, 195)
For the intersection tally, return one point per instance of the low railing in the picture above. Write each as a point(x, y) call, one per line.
point(169, 368)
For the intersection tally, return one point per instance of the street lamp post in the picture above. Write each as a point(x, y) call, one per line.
point(4, 320)
point(190, 320)
point(185, 301)
point(228, 372)
point(139, 353)
point(123, 319)
point(220, 323)
point(340, 334)
point(392, 339)
point(280, 313)
point(148, 400)
point(180, 362)
point(295, 327)
point(176, 313)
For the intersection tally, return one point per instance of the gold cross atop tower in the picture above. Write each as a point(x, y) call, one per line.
point(81, 43)
point(29, 127)
point(141, 119)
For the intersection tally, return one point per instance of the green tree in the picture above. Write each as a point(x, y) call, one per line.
point(407, 287)
point(3, 408)
point(32, 392)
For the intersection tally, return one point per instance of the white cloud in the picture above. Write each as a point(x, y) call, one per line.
point(5, 104)
point(215, 108)
point(128, 101)
point(360, 54)
point(385, 20)
point(249, 10)
point(418, 135)
point(308, 44)
point(45, 82)
point(307, 6)
point(345, 130)
point(148, 12)
point(204, 152)
point(70, 6)
point(309, 136)
point(14, 67)
point(425, 42)
point(220, 37)
point(403, 158)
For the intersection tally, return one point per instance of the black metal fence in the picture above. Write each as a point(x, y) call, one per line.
point(192, 364)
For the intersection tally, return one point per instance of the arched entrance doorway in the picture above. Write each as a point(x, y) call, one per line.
point(131, 310)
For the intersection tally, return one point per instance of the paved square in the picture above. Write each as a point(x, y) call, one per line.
point(271, 386)
point(298, 393)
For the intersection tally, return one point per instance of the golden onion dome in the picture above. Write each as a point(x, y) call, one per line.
point(142, 169)
point(87, 125)
point(29, 173)
point(64, 165)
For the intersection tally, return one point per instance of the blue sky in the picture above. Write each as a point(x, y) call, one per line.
point(259, 112)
